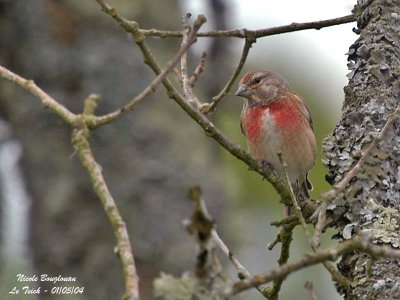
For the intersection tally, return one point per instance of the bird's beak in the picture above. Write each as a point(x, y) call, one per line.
point(243, 91)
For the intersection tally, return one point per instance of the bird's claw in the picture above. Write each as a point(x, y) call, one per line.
point(266, 165)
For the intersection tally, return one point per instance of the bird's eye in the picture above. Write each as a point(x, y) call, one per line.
point(257, 79)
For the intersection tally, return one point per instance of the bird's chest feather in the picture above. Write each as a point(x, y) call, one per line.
point(252, 122)
point(273, 118)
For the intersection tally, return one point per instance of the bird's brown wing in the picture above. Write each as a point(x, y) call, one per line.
point(307, 185)
point(241, 120)
point(303, 108)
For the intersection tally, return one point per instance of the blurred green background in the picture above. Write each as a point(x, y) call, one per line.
point(51, 221)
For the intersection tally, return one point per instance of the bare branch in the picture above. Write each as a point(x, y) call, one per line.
point(124, 249)
point(357, 244)
point(202, 225)
point(285, 237)
point(46, 99)
point(285, 221)
point(189, 40)
point(242, 271)
point(241, 33)
point(226, 89)
point(187, 88)
point(319, 227)
point(199, 69)
point(310, 288)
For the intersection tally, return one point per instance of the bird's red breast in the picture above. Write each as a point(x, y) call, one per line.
point(252, 120)
point(283, 125)
point(286, 113)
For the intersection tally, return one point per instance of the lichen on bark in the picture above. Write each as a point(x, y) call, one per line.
point(371, 202)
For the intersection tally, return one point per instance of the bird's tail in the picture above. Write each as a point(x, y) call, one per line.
point(301, 191)
point(306, 186)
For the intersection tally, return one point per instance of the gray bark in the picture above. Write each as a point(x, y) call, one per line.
point(371, 203)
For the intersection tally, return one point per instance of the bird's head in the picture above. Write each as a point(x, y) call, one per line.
point(261, 87)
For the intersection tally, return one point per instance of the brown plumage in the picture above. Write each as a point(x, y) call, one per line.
point(276, 119)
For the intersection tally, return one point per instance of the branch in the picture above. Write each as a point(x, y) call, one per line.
point(285, 237)
point(151, 88)
point(187, 87)
point(320, 225)
point(197, 116)
point(46, 99)
point(242, 33)
point(310, 288)
point(199, 69)
point(242, 271)
point(307, 260)
point(124, 249)
point(202, 225)
point(226, 89)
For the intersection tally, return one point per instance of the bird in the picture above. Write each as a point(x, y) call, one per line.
point(276, 120)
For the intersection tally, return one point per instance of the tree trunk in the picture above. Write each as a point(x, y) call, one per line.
point(370, 205)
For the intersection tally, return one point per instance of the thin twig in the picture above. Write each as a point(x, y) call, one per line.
point(310, 288)
point(189, 40)
point(226, 89)
point(241, 33)
point(357, 244)
point(285, 237)
point(287, 220)
point(201, 224)
point(242, 271)
point(199, 69)
point(45, 98)
point(124, 248)
point(187, 88)
point(319, 227)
